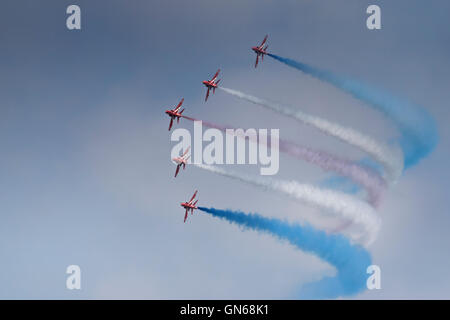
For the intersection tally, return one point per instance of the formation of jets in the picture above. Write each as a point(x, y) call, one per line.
point(176, 114)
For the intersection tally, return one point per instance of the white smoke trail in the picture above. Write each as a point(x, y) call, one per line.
point(390, 158)
point(345, 206)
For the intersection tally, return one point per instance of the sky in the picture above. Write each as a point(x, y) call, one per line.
point(85, 171)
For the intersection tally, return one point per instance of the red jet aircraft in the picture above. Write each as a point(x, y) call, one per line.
point(260, 51)
point(181, 161)
point(189, 206)
point(211, 84)
point(174, 114)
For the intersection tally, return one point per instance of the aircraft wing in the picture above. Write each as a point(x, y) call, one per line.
point(171, 123)
point(215, 76)
point(264, 41)
point(179, 105)
point(195, 193)
point(187, 149)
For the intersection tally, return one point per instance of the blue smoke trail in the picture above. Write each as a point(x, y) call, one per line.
point(351, 261)
point(417, 128)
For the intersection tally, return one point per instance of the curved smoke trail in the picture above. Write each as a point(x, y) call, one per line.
point(345, 206)
point(390, 158)
point(419, 135)
point(350, 261)
point(362, 175)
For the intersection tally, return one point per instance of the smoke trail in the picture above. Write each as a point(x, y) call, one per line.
point(418, 129)
point(390, 158)
point(351, 261)
point(362, 175)
point(345, 206)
